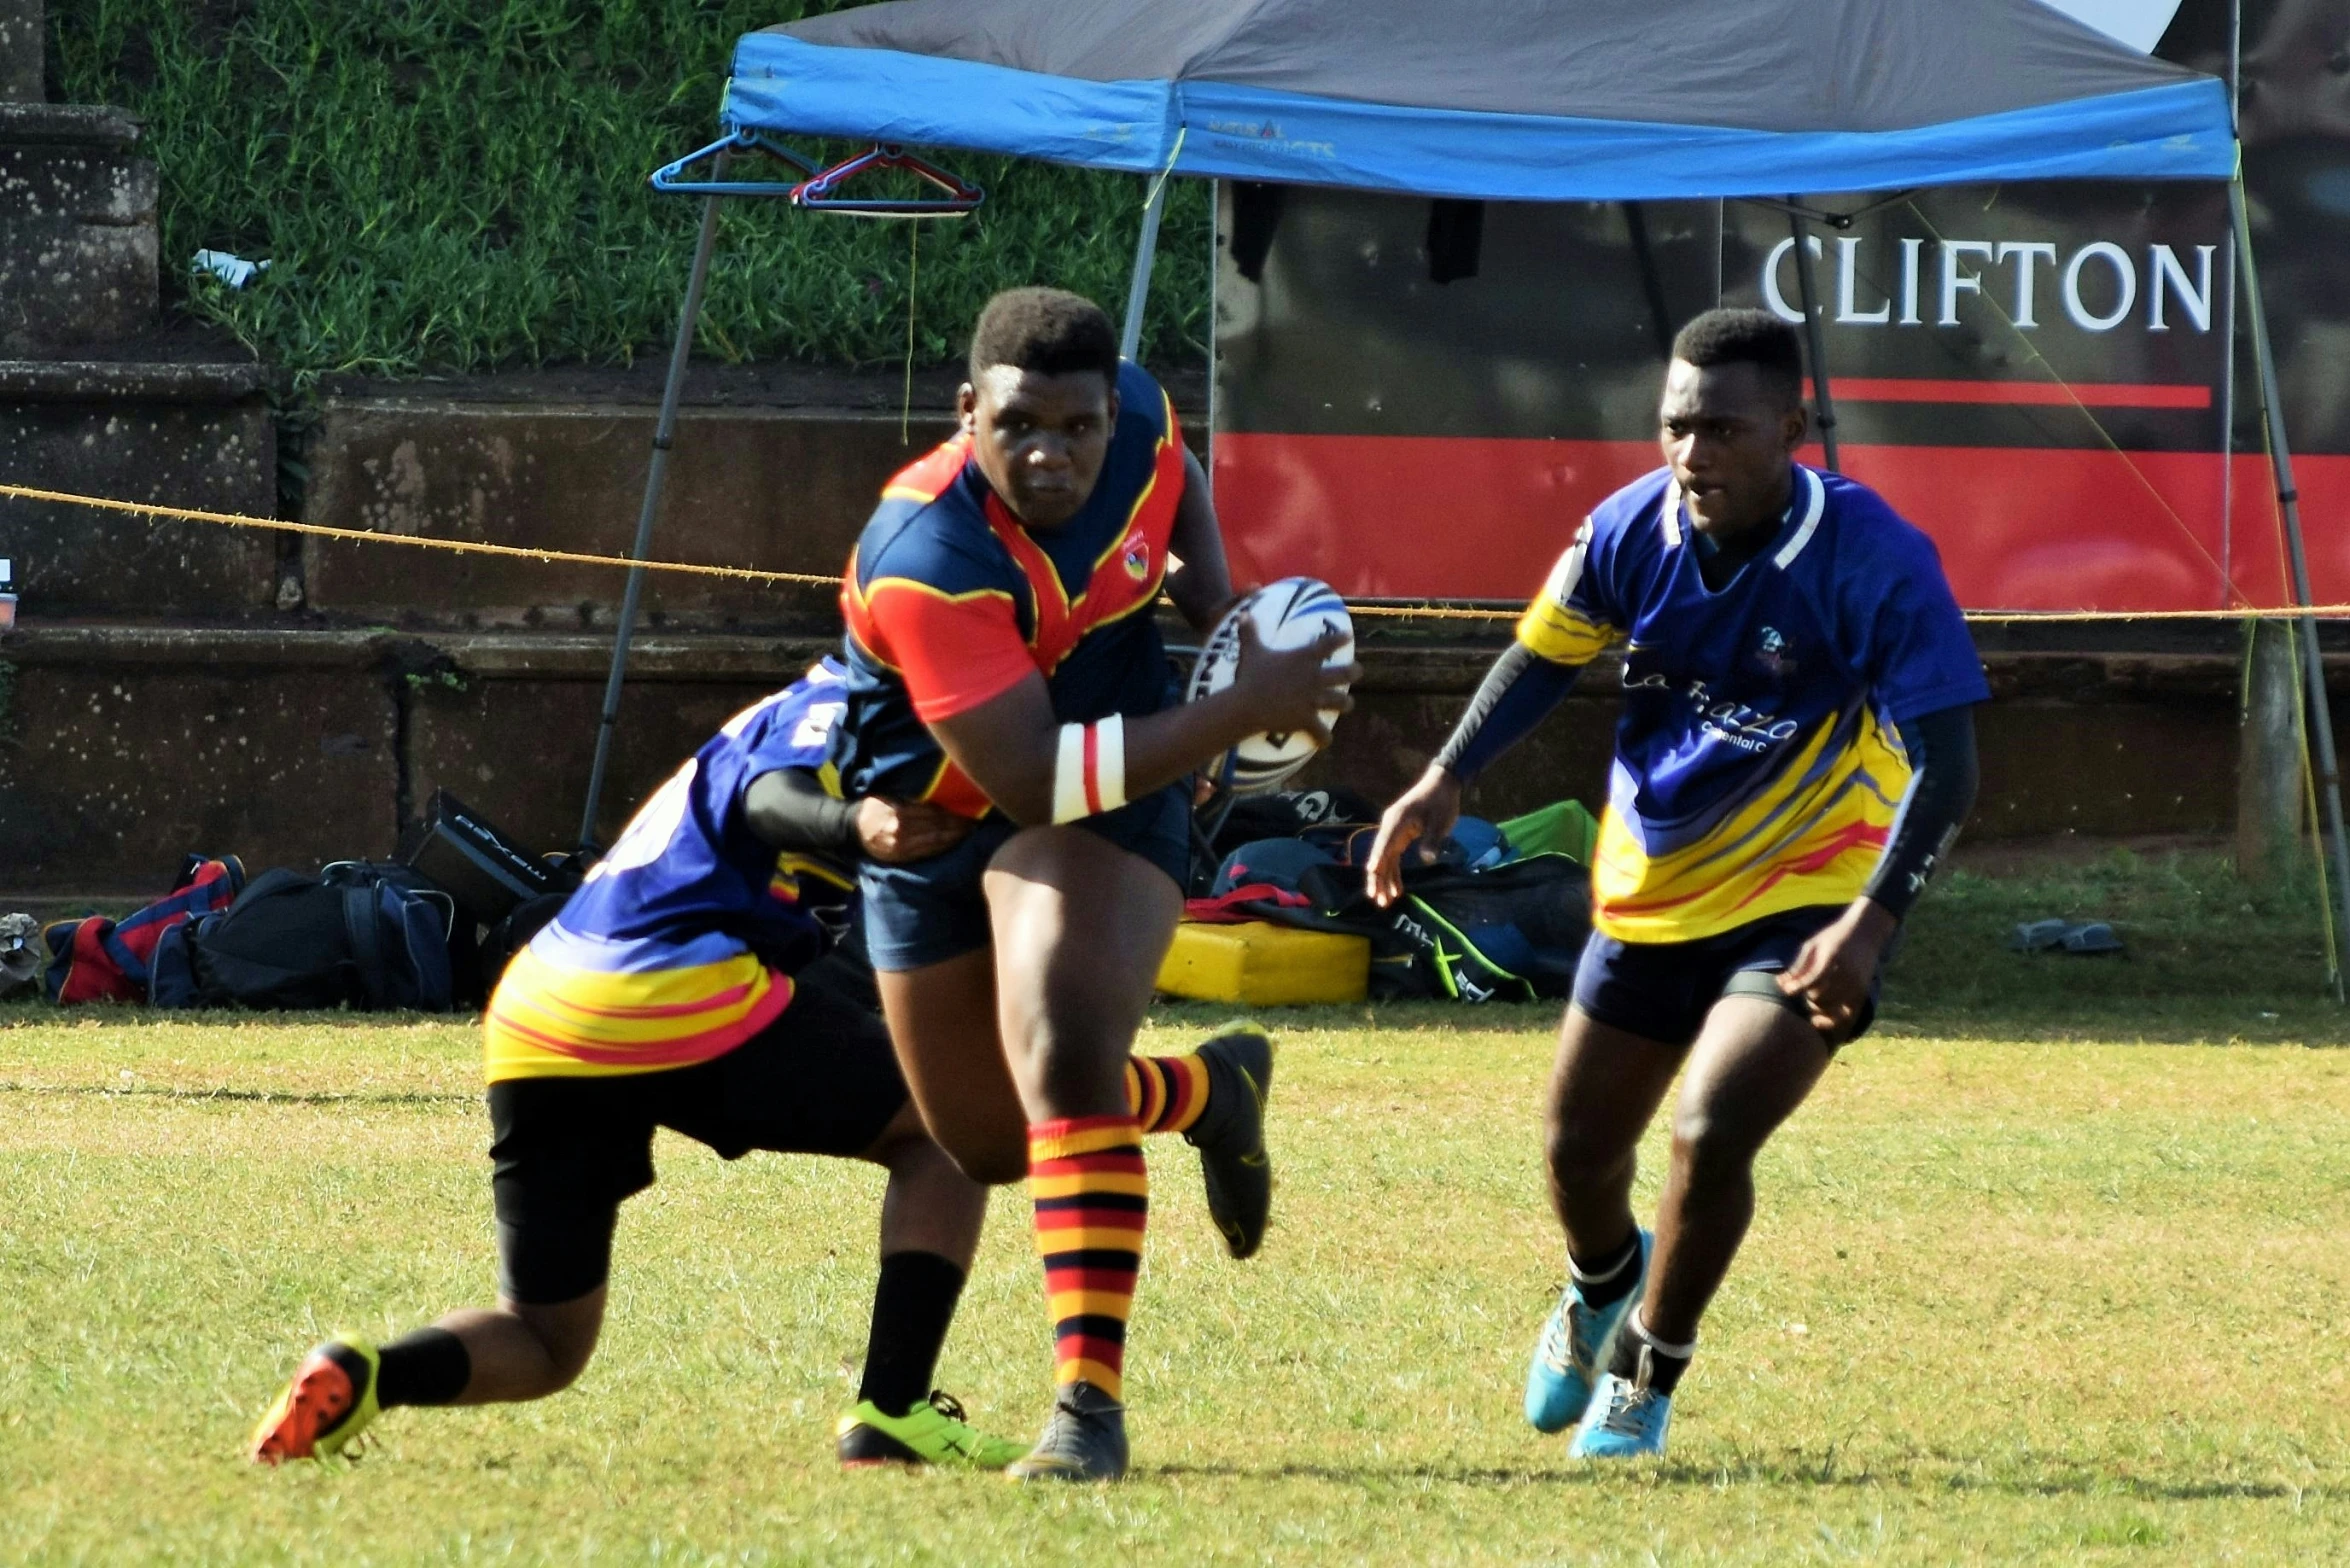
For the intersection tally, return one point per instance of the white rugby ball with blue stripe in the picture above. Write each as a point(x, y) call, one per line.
point(1291, 613)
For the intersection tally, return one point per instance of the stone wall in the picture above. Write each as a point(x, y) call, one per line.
point(199, 436)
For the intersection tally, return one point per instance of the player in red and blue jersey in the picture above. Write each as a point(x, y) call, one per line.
point(1003, 663)
point(1795, 754)
point(675, 989)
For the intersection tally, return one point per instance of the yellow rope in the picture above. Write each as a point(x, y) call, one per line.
point(1435, 612)
point(2290, 612)
point(186, 514)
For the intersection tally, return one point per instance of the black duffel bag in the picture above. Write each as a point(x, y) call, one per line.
point(370, 937)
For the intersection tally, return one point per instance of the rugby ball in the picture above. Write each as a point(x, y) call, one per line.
point(1291, 613)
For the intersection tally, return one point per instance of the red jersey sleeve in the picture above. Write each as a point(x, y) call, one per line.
point(955, 651)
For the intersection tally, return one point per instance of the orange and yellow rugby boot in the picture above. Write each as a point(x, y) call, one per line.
point(330, 1401)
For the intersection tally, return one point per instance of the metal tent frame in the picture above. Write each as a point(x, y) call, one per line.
point(818, 189)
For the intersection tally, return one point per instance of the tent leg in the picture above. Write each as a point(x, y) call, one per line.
point(2321, 723)
point(1816, 338)
point(656, 475)
point(1138, 289)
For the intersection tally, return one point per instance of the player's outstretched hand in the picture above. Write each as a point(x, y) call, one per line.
point(1287, 690)
point(1423, 815)
point(896, 832)
point(1833, 970)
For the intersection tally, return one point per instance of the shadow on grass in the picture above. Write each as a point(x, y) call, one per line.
point(99, 1091)
point(36, 1014)
point(1795, 1470)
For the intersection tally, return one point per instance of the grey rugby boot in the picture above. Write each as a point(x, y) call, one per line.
point(1230, 1135)
point(1085, 1440)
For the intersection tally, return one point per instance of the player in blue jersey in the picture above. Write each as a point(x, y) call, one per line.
point(1795, 754)
point(675, 989)
point(1003, 662)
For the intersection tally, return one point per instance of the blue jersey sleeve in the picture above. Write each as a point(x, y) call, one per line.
point(1580, 614)
point(1913, 647)
point(794, 728)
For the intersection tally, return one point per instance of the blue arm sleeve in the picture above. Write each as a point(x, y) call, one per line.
point(1944, 773)
point(1517, 694)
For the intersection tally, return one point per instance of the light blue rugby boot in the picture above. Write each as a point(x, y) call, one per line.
point(1575, 1344)
point(1627, 1420)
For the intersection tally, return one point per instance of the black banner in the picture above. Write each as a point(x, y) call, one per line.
point(2036, 373)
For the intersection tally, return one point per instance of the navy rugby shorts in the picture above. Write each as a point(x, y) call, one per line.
point(933, 910)
point(1663, 990)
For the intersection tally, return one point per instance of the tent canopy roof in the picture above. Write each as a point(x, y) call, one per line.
point(1524, 99)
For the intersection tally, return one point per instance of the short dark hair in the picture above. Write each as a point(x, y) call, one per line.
point(1051, 331)
point(1746, 337)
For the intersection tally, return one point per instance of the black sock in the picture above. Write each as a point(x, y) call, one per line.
point(428, 1366)
point(1641, 1360)
point(912, 1307)
point(1611, 1278)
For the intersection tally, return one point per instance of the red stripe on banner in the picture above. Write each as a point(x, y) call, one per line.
point(1093, 780)
point(2034, 394)
point(2020, 528)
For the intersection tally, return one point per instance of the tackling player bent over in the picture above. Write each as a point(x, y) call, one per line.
point(673, 990)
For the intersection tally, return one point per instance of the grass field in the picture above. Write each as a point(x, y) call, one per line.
point(2025, 1287)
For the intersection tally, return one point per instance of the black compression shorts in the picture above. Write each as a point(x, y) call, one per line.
point(566, 1152)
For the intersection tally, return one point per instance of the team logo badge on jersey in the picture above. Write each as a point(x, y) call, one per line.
point(1772, 655)
point(1138, 557)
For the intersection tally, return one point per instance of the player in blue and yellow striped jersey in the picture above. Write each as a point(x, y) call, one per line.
point(675, 989)
point(1795, 754)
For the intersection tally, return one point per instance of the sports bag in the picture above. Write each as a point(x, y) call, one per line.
point(1508, 933)
point(369, 937)
point(101, 960)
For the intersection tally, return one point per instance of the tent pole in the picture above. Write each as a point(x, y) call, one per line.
point(656, 474)
point(2321, 723)
point(1138, 289)
point(1815, 336)
point(2227, 376)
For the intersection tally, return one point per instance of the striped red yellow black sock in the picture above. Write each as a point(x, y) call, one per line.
point(1166, 1093)
point(1092, 1198)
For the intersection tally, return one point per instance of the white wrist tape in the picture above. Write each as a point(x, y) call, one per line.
point(1089, 774)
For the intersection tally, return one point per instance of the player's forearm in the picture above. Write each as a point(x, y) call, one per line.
point(1156, 750)
point(790, 809)
point(1944, 775)
point(1515, 696)
point(1038, 771)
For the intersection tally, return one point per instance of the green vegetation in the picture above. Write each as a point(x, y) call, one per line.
point(2049, 1271)
point(450, 186)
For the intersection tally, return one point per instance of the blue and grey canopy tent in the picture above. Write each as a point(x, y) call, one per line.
point(1518, 100)
point(1538, 100)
